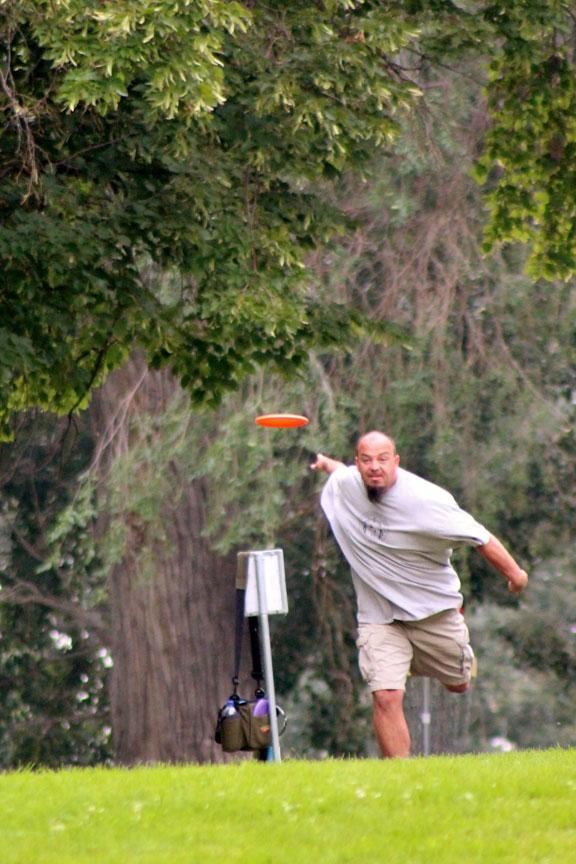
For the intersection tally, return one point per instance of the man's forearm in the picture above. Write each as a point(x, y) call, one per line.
point(497, 554)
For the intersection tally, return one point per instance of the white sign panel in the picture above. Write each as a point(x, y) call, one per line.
point(266, 583)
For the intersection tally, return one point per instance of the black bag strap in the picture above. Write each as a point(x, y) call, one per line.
point(239, 632)
point(254, 633)
point(257, 675)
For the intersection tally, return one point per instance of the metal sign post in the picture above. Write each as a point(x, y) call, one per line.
point(426, 717)
point(266, 595)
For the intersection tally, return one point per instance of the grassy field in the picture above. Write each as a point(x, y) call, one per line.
point(514, 808)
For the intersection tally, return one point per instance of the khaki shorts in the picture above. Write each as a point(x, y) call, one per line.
point(438, 647)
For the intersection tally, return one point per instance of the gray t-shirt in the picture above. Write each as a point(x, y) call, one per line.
point(399, 548)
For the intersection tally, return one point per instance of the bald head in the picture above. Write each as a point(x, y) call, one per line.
point(375, 439)
point(377, 462)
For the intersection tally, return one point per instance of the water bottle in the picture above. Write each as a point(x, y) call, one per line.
point(229, 709)
point(232, 732)
point(261, 707)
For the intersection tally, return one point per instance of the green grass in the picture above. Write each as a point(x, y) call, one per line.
point(514, 808)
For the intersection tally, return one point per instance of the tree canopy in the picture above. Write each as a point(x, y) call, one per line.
point(182, 137)
point(200, 140)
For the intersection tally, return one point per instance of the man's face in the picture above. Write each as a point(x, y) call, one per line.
point(377, 462)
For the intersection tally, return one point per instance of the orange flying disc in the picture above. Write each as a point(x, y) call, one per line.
point(284, 421)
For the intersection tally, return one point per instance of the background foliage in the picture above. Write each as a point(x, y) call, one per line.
point(184, 206)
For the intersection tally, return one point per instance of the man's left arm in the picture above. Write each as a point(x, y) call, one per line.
point(497, 554)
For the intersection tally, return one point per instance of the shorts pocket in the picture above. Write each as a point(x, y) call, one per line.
point(364, 659)
point(467, 661)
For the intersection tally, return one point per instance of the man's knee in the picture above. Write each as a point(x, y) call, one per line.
point(387, 701)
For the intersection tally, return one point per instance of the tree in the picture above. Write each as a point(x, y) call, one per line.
point(53, 662)
point(529, 150)
point(526, 690)
point(186, 137)
point(169, 595)
point(203, 138)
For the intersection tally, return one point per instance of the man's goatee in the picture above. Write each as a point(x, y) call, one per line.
point(375, 493)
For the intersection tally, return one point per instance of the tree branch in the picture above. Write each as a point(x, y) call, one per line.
point(25, 593)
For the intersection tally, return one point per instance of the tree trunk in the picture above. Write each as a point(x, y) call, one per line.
point(172, 626)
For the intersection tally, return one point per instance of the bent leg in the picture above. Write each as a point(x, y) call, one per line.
point(442, 650)
point(390, 723)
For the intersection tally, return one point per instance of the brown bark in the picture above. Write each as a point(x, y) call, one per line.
point(171, 626)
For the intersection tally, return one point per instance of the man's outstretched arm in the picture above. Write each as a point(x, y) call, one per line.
point(497, 554)
point(326, 464)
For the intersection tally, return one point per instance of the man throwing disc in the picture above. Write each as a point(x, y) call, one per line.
point(397, 532)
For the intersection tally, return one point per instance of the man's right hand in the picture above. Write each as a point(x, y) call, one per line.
point(496, 553)
point(520, 582)
point(325, 463)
